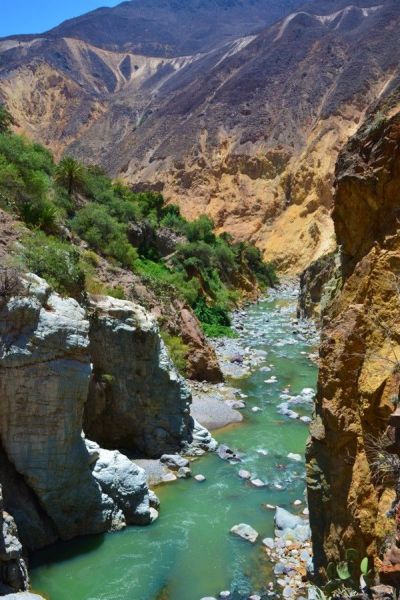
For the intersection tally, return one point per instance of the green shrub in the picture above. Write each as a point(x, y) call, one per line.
point(216, 331)
point(177, 350)
point(212, 315)
point(202, 229)
point(56, 261)
point(104, 233)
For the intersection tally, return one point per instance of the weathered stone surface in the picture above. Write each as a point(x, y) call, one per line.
point(137, 399)
point(246, 532)
point(357, 380)
point(65, 487)
point(202, 363)
point(124, 482)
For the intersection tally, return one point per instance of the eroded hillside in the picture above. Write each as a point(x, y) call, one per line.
point(245, 127)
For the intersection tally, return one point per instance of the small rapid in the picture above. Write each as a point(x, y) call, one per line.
point(189, 553)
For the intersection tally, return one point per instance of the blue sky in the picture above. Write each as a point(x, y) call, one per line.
point(36, 16)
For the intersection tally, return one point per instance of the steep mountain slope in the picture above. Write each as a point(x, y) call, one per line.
point(246, 130)
point(169, 28)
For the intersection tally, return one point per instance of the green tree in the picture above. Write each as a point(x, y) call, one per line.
point(6, 119)
point(71, 175)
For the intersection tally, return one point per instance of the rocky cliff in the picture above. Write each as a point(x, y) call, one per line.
point(351, 476)
point(242, 118)
point(64, 369)
point(137, 399)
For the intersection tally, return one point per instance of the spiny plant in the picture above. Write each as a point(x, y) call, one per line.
point(342, 577)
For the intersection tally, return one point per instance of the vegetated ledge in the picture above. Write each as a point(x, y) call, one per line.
point(57, 484)
point(86, 233)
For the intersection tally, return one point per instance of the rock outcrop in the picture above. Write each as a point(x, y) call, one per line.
point(350, 490)
point(56, 484)
point(137, 399)
point(202, 362)
point(314, 290)
point(13, 568)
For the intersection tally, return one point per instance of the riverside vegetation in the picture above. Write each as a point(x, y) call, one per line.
point(75, 215)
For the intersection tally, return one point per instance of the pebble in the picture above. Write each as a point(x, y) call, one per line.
point(256, 409)
point(258, 483)
point(297, 503)
point(262, 452)
point(153, 514)
point(269, 543)
point(254, 597)
point(199, 477)
point(224, 594)
point(293, 456)
point(243, 474)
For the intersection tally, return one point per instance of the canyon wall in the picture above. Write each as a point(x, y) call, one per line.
point(65, 369)
point(349, 491)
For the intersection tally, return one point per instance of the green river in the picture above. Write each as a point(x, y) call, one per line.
point(189, 553)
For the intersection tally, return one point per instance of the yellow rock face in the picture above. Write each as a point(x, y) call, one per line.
point(360, 352)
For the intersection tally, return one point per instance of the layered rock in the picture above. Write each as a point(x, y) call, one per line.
point(137, 399)
point(63, 488)
point(349, 491)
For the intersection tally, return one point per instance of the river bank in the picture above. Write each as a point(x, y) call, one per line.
point(189, 552)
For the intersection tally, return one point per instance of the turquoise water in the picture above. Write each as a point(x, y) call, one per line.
point(188, 553)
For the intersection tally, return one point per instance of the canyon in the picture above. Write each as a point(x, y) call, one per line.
point(281, 121)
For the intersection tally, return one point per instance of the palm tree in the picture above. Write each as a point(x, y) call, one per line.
point(70, 174)
point(6, 119)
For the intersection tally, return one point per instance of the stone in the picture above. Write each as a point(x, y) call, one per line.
point(226, 453)
point(297, 503)
point(184, 473)
point(243, 474)
point(256, 409)
point(154, 514)
point(200, 478)
point(125, 483)
point(269, 543)
point(174, 461)
point(254, 597)
point(258, 483)
point(137, 399)
point(285, 520)
point(225, 594)
point(296, 457)
point(245, 532)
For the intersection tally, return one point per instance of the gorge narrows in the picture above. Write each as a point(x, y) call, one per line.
point(189, 553)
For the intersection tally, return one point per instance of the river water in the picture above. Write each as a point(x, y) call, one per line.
point(189, 553)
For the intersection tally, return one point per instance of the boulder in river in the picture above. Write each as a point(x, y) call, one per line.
point(245, 532)
point(285, 520)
